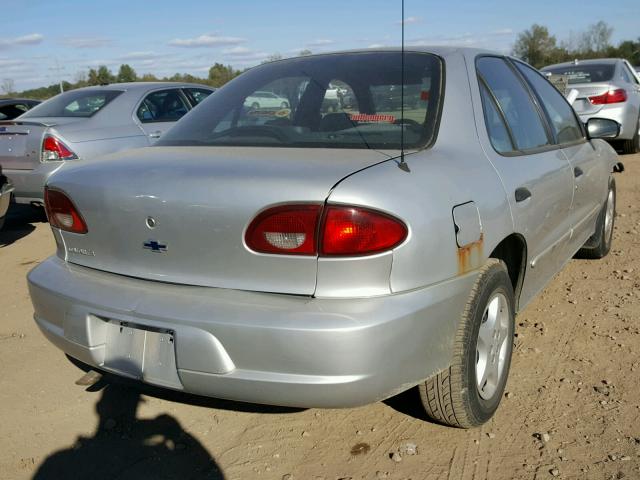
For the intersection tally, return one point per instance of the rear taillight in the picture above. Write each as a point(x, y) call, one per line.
point(348, 231)
point(611, 96)
point(62, 213)
point(336, 230)
point(285, 229)
point(54, 149)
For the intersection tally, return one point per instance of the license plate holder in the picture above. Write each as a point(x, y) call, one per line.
point(142, 353)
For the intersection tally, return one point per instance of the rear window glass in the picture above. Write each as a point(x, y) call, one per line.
point(352, 100)
point(593, 73)
point(75, 103)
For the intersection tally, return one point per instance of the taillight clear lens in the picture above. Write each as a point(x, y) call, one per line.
point(53, 149)
point(310, 229)
point(289, 229)
point(612, 96)
point(352, 231)
point(62, 213)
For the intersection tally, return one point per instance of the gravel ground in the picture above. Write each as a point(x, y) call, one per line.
point(571, 408)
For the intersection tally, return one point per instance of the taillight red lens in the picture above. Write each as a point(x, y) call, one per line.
point(351, 231)
point(337, 230)
point(54, 149)
point(289, 229)
point(62, 213)
point(612, 96)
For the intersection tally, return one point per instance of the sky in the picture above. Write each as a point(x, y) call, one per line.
point(42, 42)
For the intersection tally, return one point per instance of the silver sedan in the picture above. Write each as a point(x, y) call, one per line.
point(302, 258)
point(607, 88)
point(88, 122)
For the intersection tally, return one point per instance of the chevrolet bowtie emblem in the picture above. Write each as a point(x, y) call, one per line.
point(154, 246)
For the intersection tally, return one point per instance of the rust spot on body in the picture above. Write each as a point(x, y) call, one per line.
point(470, 256)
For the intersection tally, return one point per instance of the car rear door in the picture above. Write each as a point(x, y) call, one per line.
point(159, 110)
point(535, 173)
point(589, 170)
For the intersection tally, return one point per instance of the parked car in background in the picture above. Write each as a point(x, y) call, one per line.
point(86, 123)
point(266, 100)
point(303, 259)
point(6, 189)
point(10, 108)
point(607, 88)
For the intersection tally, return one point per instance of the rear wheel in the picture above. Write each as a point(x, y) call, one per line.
point(468, 393)
point(632, 145)
point(599, 244)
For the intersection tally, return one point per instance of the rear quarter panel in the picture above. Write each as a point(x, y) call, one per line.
point(454, 171)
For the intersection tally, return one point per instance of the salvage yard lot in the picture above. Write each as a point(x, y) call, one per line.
point(571, 408)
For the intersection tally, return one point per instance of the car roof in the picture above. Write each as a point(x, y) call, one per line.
point(5, 101)
point(442, 51)
point(143, 86)
point(593, 61)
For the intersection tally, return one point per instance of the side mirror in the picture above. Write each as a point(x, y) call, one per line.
point(602, 128)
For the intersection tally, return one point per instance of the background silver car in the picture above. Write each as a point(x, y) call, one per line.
point(86, 123)
point(607, 88)
point(298, 258)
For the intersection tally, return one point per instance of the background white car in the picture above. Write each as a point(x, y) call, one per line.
point(261, 99)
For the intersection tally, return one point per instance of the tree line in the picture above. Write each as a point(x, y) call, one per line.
point(539, 48)
point(535, 45)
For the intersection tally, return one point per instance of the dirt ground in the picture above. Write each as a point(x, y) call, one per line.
point(571, 408)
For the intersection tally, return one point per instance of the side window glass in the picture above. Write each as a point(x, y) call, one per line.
point(625, 75)
point(498, 133)
point(563, 121)
point(162, 106)
point(515, 102)
point(339, 97)
point(633, 78)
point(196, 95)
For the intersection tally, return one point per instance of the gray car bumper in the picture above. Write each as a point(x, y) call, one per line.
point(253, 347)
point(29, 184)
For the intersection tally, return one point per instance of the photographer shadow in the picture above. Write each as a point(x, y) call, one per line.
point(126, 447)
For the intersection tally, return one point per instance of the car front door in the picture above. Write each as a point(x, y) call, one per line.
point(535, 173)
point(159, 110)
point(587, 166)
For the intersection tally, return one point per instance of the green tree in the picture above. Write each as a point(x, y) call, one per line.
point(220, 74)
point(305, 52)
point(126, 74)
point(596, 39)
point(101, 76)
point(148, 77)
point(535, 46)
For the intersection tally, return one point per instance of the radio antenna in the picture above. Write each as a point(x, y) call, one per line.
point(402, 163)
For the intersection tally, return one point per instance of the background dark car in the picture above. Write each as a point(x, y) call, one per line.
point(11, 108)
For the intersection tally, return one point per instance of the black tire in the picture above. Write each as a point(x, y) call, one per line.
point(255, 106)
point(452, 397)
point(284, 105)
point(599, 245)
point(633, 145)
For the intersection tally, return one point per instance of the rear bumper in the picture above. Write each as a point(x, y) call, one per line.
point(259, 347)
point(29, 184)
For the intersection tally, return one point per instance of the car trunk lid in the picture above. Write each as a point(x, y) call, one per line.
point(21, 140)
point(582, 105)
point(178, 215)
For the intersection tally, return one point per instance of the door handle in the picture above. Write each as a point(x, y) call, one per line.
point(577, 172)
point(522, 194)
point(155, 134)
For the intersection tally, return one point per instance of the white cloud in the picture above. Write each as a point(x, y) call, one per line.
point(503, 31)
point(409, 21)
point(31, 39)
point(206, 40)
point(320, 42)
point(133, 56)
point(85, 42)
